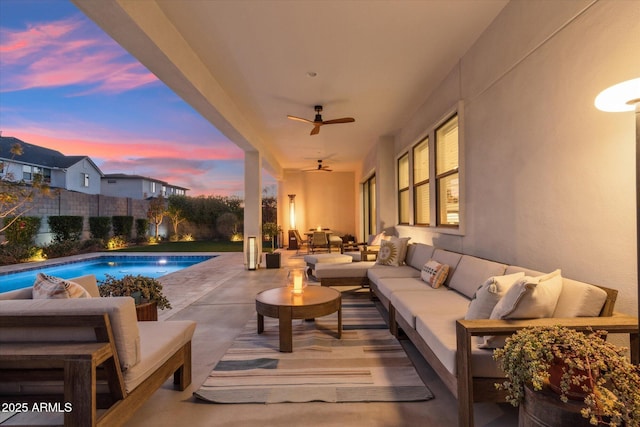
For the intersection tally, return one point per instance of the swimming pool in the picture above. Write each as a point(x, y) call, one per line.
point(117, 266)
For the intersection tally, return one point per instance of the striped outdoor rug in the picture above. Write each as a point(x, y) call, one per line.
point(366, 365)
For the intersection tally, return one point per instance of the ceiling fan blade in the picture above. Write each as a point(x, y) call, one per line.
point(342, 120)
point(315, 130)
point(300, 119)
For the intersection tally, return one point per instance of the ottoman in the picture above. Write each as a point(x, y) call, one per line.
point(329, 258)
point(351, 274)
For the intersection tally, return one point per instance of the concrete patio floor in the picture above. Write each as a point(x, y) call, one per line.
point(219, 295)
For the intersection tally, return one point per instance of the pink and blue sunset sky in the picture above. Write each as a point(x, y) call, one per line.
point(66, 85)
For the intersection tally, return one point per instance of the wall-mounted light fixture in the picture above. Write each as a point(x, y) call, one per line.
point(252, 253)
point(622, 97)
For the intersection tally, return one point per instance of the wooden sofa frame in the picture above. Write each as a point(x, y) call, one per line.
point(79, 366)
point(468, 389)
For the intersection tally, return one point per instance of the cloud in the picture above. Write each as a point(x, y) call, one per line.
point(65, 53)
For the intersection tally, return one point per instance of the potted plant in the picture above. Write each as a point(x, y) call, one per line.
point(270, 230)
point(575, 365)
point(146, 291)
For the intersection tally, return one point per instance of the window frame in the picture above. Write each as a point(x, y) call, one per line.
point(419, 184)
point(403, 191)
point(441, 176)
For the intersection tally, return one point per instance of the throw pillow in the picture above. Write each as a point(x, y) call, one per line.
point(434, 273)
point(528, 298)
point(393, 251)
point(488, 295)
point(50, 287)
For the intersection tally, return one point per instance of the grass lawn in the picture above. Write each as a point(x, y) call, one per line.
point(197, 246)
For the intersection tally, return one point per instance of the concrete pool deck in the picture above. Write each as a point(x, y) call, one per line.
point(219, 295)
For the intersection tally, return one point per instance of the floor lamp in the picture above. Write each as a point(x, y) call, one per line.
point(625, 96)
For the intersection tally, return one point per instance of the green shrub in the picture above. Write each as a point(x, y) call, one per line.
point(65, 227)
point(23, 231)
point(142, 228)
point(60, 249)
point(100, 227)
point(122, 226)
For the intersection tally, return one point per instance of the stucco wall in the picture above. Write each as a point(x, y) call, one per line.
point(549, 179)
point(327, 199)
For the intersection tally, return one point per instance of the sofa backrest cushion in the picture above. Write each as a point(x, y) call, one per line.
point(450, 258)
point(472, 272)
point(88, 282)
point(122, 315)
point(23, 293)
point(579, 299)
point(418, 254)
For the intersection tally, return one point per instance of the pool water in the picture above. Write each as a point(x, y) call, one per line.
point(117, 266)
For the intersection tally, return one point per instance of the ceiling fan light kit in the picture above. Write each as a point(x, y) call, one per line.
point(317, 122)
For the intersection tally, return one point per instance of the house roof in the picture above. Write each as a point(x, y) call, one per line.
point(133, 176)
point(40, 156)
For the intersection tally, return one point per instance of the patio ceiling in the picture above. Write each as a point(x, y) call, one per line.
point(244, 65)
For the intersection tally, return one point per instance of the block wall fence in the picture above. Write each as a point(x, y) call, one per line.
point(64, 202)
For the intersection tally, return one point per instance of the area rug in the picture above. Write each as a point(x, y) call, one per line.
point(366, 365)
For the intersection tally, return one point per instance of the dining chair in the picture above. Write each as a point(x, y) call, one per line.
point(301, 241)
point(319, 241)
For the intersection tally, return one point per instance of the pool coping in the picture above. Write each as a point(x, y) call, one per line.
point(34, 265)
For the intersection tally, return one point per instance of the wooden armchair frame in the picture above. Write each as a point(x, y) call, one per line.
point(78, 366)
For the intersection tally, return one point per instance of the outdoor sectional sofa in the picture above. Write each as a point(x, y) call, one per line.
point(434, 318)
point(87, 354)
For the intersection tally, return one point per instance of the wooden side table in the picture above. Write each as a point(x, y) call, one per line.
point(280, 303)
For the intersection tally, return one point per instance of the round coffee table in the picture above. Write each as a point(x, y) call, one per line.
point(280, 303)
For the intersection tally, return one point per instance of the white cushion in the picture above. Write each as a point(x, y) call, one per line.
point(579, 299)
point(50, 287)
point(393, 251)
point(530, 298)
point(488, 295)
point(434, 273)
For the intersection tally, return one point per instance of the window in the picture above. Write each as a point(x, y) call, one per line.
point(421, 197)
point(369, 206)
point(26, 173)
point(403, 189)
point(447, 174)
point(46, 175)
point(85, 179)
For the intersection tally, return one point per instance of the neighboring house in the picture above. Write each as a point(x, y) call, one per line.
point(74, 173)
point(137, 187)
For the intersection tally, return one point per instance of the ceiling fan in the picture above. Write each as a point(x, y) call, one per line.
point(320, 167)
point(317, 122)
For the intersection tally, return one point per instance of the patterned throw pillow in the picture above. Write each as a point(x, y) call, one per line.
point(49, 287)
point(393, 251)
point(434, 273)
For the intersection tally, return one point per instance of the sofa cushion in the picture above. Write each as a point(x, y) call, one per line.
point(352, 269)
point(488, 295)
point(378, 272)
point(579, 299)
point(122, 315)
point(158, 342)
point(530, 298)
point(439, 332)
point(388, 285)
point(393, 251)
point(418, 254)
point(434, 273)
point(409, 304)
point(471, 272)
point(50, 287)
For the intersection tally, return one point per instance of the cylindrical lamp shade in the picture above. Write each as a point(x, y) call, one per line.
point(292, 211)
point(252, 252)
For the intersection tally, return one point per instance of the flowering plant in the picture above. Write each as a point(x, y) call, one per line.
point(609, 383)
